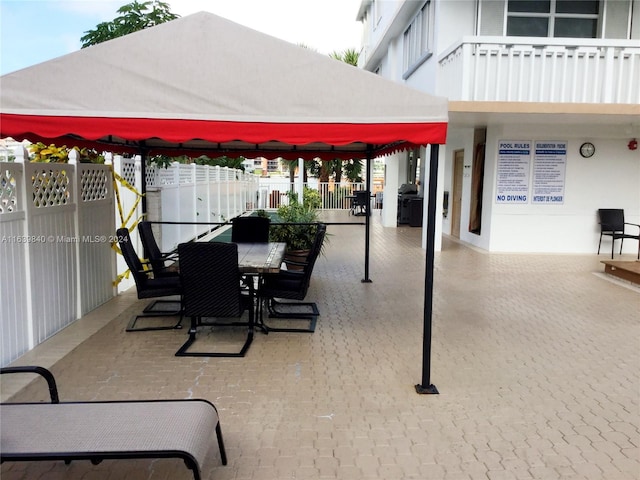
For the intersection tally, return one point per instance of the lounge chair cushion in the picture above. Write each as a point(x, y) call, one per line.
point(100, 430)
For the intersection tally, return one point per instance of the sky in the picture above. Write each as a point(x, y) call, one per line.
point(34, 31)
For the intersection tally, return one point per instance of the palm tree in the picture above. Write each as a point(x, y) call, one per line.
point(351, 168)
point(350, 56)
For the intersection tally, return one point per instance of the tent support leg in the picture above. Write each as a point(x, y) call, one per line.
point(367, 213)
point(426, 387)
point(144, 153)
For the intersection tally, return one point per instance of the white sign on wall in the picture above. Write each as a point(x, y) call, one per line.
point(549, 168)
point(513, 173)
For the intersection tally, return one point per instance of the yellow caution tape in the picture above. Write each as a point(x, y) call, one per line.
point(124, 219)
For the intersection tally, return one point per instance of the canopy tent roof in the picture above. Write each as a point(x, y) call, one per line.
point(202, 83)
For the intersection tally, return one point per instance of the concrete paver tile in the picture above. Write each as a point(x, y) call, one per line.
point(535, 357)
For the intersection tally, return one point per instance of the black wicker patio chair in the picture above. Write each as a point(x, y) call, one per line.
point(148, 286)
point(612, 224)
point(250, 229)
point(292, 285)
point(212, 291)
point(163, 264)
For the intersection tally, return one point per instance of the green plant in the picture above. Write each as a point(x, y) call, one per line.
point(49, 153)
point(350, 56)
point(89, 155)
point(311, 198)
point(297, 237)
point(161, 161)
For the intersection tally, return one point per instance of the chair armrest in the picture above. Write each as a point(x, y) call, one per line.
point(46, 374)
point(298, 264)
point(289, 273)
point(633, 225)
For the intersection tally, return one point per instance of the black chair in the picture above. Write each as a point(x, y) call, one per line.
point(250, 229)
point(157, 258)
point(360, 205)
point(292, 285)
point(379, 201)
point(211, 282)
point(612, 224)
point(148, 286)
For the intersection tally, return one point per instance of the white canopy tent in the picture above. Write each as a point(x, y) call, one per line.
point(205, 85)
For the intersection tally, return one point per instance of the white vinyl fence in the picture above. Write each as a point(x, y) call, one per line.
point(197, 196)
point(58, 223)
point(56, 260)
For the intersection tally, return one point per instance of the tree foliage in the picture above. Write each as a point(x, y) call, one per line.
point(164, 161)
point(349, 55)
point(223, 161)
point(133, 17)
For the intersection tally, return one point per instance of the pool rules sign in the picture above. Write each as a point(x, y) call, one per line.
point(514, 166)
point(517, 177)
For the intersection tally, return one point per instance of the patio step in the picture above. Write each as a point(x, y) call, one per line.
point(629, 271)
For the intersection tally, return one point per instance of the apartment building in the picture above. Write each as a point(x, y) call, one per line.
point(544, 114)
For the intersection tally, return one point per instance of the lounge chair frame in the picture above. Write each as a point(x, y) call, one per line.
point(60, 430)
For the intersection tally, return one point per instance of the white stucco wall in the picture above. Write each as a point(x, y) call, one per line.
point(609, 179)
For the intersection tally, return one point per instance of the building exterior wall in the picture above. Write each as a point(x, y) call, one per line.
point(609, 179)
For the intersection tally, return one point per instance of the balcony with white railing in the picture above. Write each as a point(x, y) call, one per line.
point(524, 69)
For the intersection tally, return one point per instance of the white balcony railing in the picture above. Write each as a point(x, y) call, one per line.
point(523, 69)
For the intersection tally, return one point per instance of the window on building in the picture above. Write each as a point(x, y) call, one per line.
point(417, 38)
point(553, 18)
point(273, 165)
point(376, 15)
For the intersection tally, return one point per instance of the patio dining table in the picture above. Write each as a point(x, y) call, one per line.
point(257, 258)
point(254, 258)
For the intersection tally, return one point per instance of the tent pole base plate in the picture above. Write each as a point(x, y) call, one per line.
point(428, 390)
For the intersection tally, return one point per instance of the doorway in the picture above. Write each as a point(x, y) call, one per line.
point(456, 192)
point(477, 181)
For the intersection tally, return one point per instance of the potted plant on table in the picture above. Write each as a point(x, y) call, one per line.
point(299, 237)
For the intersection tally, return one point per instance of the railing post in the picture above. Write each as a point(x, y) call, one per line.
point(77, 189)
point(21, 154)
point(208, 202)
point(218, 193)
point(607, 79)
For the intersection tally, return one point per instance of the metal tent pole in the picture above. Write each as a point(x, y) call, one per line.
point(426, 387)
point(367, 223)
point(143, 173)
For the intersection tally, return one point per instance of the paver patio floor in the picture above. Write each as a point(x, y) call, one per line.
point(536, 358)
